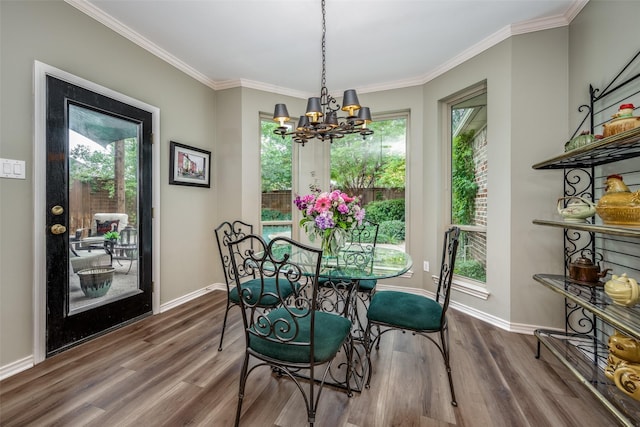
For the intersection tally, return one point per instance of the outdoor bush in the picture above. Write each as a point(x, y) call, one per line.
point(385, 210)
point(391, 232)
point(471, 269)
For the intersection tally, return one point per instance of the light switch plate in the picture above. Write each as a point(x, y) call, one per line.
point(12, 169)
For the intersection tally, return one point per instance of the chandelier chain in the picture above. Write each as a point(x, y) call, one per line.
point(324, 46)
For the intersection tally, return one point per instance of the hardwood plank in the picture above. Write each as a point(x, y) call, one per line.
point(165, 370)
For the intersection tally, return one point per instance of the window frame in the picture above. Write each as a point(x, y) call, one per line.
point(400, 114)
point(463, 284)
point(295, 232)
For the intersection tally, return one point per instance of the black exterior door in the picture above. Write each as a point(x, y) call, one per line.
point(99, 223)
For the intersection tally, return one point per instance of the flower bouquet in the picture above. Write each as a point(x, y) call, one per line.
point(329, 216)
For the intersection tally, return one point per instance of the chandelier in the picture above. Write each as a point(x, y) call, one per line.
point(321, 119)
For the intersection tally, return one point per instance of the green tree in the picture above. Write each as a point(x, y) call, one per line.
point(463, 184)
point(98, 167)
point(358, 163)
point(275, 159)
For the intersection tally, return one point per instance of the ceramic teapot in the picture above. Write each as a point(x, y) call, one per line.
point(623, 290)
point(585, 138)
point(578, 209)
point(584, 270)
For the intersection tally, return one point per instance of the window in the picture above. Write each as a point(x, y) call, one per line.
point(468, 174)
point(276, 165)
point(375, 169)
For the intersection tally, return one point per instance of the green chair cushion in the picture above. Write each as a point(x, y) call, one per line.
point(367, 285)
point(330, 332)
point(405, 310)
point(269, 287)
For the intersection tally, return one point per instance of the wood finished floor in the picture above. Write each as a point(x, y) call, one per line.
point(166, 371)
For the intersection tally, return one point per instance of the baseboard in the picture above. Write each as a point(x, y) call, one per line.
point(191, 296)
point(16, 367)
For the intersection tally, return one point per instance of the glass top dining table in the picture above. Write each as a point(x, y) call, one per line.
point(381, 263)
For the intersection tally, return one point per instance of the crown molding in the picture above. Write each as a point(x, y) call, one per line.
point(117, 26)
point(495, 38)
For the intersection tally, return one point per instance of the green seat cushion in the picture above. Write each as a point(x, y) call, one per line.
point(269, 299)
point(330, 332)
point(405, 310)
point(367, 285)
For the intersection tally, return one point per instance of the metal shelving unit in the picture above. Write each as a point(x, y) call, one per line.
point(590, 315)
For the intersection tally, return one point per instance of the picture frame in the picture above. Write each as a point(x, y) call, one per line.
point(189, 165)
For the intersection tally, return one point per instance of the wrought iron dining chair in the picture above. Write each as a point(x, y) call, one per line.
point(359, 251)
point(227, 233)
point(363, 241)
point(393, 310)
point(295, 337)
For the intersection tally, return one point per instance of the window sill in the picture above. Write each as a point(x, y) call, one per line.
point(468, 288)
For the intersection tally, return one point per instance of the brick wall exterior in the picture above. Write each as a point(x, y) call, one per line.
point(477, 242)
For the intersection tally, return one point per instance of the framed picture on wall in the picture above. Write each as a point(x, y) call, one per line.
point(189, 166)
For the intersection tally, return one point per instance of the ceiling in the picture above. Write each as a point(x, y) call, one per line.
point(275, 45)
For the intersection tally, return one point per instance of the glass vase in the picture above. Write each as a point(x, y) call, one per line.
point(332, 241)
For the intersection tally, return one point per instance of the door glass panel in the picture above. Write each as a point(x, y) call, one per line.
point(103, 208)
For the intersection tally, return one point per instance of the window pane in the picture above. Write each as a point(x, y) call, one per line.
point(469, 169)
point(276, 165)
point(375, 169)
point(471, 259)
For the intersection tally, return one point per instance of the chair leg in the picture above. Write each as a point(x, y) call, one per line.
point(243, 381)
point(367, 347)
point(224, 324)
point(444, 333)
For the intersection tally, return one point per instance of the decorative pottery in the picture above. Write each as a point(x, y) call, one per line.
point(622, 121)
point(577, 209)
point(585, 138)
point(623, 364)
point(96, 282)
point(627, 379)
point(619, 206)
point(584, 270)
point(623, 290)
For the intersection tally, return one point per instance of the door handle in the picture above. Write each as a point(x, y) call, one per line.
point(57, 210)
point(58, 229)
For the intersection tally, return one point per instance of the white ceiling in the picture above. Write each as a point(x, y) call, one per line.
point(276, 44)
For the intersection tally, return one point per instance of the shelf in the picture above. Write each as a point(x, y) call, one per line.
point(593, 228)
point(580, 354)
point(595, 300)
point(624, 145)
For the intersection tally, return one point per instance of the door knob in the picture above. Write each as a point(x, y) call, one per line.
point(57, 210)
point(58, 229)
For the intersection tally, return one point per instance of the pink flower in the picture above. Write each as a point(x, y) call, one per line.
point(323, 203)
